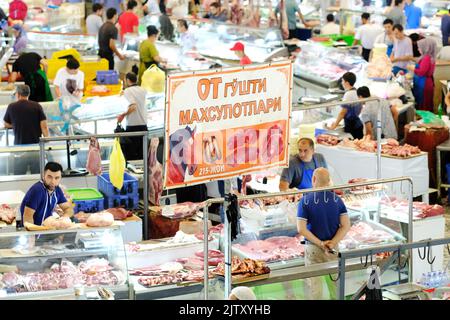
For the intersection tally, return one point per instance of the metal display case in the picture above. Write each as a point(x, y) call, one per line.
point(49, 264)
point(324, 66)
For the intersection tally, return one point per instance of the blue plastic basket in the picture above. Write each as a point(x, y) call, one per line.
point(88, 206)
point(130, 186)
point(107, 77)
point(127, 202)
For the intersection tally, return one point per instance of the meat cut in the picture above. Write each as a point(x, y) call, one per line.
point(7, 214)
point(403, 151)
point(94, 158)
point(420, 209)
point(181, 210)
point(272, 249)
point(100, 219)
point(91, 272)
point(327, 139)
point(119, 213)
point(58, 223)
point(244, 267)
point(155, 178)
point(362, 233)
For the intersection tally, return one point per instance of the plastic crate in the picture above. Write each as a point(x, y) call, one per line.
point(107, 77)
point(86, 199)
point(127, 202)
point(130, 186)
point(113, 89)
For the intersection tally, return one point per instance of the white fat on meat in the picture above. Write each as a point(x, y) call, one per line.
point(100, 219)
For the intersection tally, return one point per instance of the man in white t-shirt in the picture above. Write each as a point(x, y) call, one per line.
point(367, 33)
point(178, 8)
point(94, 21)
point(136, 115)
point(330, 27)
point(69, 83)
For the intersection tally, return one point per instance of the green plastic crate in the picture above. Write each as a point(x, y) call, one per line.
point(84, 194)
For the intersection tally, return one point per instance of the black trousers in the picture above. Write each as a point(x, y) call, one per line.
point(293, 33)
point(109, 57)
point(132, 149)
point(366, 54)
point(354, 127)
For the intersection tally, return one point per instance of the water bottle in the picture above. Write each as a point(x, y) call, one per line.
point(434, 279)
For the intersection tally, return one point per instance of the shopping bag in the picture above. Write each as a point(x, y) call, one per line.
point(153, 79)
point(116, 165)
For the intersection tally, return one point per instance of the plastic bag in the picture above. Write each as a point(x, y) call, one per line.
point(430, 118)
point(153, 79)
point(116, 165)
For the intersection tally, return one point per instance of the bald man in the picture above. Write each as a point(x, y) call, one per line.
point(324, 222)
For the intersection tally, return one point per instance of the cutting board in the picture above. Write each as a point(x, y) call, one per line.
point(403, 158)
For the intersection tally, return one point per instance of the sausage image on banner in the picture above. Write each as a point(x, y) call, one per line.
point(211, 149)
point(181, 155)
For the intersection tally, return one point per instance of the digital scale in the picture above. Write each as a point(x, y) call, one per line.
point(405, 291)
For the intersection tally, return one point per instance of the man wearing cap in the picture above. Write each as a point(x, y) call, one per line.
point(238, 49)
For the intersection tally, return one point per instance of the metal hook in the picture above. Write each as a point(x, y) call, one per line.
point(371, 256)
point(424, 253)
point(428, 255)
point(365, 263)
point(315, 199)
point(448, 249)
point(334, 280)
point(325, 199)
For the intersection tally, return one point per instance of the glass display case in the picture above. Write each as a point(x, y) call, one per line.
point(214, 39)
point(44, 264)
point(45, 43)
point(324, 66)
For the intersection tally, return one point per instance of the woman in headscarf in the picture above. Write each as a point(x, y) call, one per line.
point(21, 39)
point(423, 74)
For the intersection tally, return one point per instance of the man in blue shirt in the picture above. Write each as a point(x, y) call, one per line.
point(42, 198)
point(445, 28)
point(324, 222)
point(413, 15)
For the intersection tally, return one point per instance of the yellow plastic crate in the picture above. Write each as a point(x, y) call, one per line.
point(114, 89)
point(89, 67)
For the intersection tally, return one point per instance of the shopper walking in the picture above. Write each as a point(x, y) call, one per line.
point(402, 52)
point(29, 123)
point(136, 116)
point(445, 29)
point(396, 14)
point(292, 10)
point(95, 21)
point(28, 66)
point(369, 116)
point(413, 15)
point(423, 89)
point(324, 222)
point(20, 44)
point(148, 54)
point(301, 166)
point(387, 37)
point(107, 35)
point(129, 21)
point(367, 33)
point(349, 112)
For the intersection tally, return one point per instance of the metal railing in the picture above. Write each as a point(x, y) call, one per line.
point(227, 229)
point(143, 134)
point(343, 256)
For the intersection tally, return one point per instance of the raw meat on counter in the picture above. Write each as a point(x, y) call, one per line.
point(244, 268)
point(7, 214)
point(327, 139)
point(403, 151)
point(100, 219)
point(364, 144)
point(269, 201)
point(272, 249)
point(420, 209)
point(379, 68)
point(92, 272)
point(362, 233)
point(362, 189)
point(118, 214)
point(181, 210)
point(58, 223)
